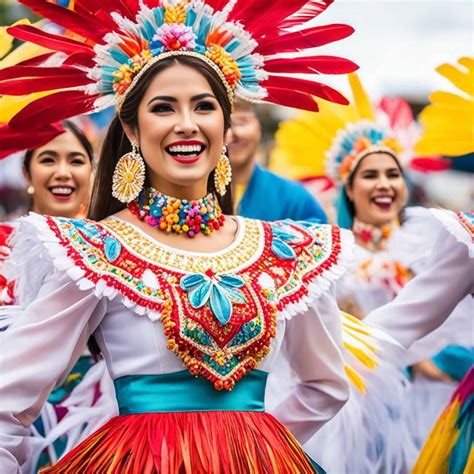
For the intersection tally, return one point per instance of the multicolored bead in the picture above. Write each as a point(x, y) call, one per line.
point(179, 215)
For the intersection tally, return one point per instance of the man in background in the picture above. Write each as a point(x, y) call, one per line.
point(259, 193)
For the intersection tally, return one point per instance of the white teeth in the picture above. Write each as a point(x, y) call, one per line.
point(383, 200)
point(185, 148)
point(65, 191)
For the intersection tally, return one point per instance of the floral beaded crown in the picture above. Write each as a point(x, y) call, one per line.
point(355, 142)
point(258, 48)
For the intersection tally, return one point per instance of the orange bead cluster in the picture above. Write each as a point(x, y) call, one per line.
point(226, 63)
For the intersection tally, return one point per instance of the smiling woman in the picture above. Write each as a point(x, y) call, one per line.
point(59, 174)
point(188, 304)
point(377, 190)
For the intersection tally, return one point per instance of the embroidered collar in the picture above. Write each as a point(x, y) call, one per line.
point(218, 310)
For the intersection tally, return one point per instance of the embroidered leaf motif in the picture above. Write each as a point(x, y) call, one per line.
point(234, 295)
point(87, 228)
point(221, 305)
point(199, 295)
point(281, 234)
point(112, 248)
point(234, 281)
point(282, 250)
point(219, 291)
point(191, 281)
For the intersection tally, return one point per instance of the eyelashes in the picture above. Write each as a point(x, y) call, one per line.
point(206, 105)
point(201, 106)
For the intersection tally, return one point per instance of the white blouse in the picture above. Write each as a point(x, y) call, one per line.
point(53, 328)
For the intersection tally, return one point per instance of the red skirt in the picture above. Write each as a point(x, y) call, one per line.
point(223, 442)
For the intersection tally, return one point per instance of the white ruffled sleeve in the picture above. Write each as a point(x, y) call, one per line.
point(312, 364)
point(44, 340)
point(427, 300)
point(312, 346)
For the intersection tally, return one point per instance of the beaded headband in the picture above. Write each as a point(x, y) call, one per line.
point(332, 143)
point(355, 142)
point(169, 54)
point(108, 46)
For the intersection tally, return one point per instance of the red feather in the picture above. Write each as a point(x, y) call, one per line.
point(217, 5)
point(87, 26)
point(49, 40)
point(308, 12)
point(250, 14)
point(36, 61)
point(30, 85)
point(299, 40)
point(20, 72)
point(311, 65)
point(276, 16)
point(80, 59)
point(326, 182)
point(53, 108)
point(292, 99)
point(430, 164)
point(398, 111)
point(127, 8)
point(309, 87)
point(12, 141)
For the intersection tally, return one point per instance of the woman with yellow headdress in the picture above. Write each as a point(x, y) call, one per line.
point(365, 150)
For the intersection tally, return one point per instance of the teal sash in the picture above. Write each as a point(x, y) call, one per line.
point(180, 392)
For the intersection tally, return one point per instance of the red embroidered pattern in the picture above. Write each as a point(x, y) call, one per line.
point(222, 354)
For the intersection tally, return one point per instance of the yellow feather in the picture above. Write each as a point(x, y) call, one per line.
point(355, 378)
point(361, 99)
point(470, 462)
point(448, 121)
point(11, 105)
point(434, 456)
point(302, 142)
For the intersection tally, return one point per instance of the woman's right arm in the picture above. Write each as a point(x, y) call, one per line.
point(36, 352)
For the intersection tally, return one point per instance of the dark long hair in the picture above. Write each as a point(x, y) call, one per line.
point(116, 143)
point(76, 131)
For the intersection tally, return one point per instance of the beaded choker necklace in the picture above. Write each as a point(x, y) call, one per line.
point(179, 216)
point(372, 237)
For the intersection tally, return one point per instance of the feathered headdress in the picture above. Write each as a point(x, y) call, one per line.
point(248, 43)
point(26, 54)
point(332, 142)
point(448, 122)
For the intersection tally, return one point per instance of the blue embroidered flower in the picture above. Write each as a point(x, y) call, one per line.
point(280, 248)
point(219, 291)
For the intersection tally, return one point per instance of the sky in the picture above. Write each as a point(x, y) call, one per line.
point(398, 43)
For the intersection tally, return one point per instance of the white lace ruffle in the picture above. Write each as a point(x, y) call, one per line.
point(37, 252)
point(322, 283)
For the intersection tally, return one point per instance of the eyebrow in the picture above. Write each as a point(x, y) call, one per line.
point(55, 153)
point(170, 98)
point(376, 170)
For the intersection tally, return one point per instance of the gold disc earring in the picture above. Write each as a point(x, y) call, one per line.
point(222, 173)
point(129, 176)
